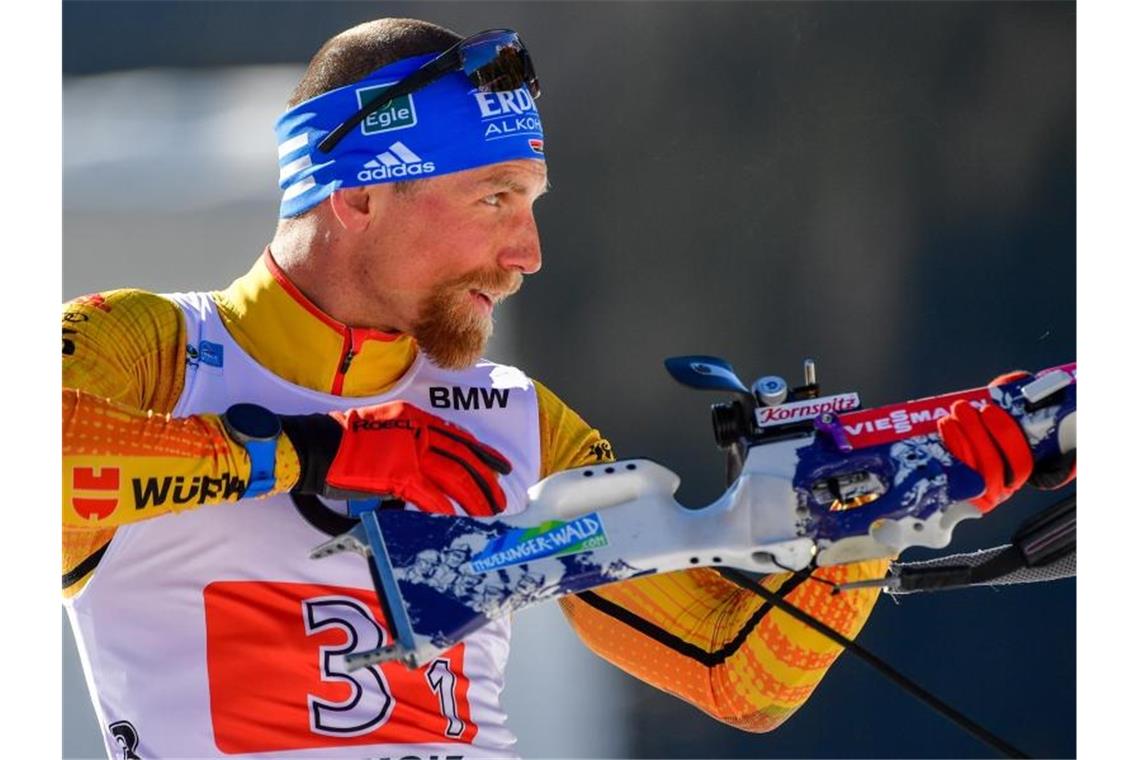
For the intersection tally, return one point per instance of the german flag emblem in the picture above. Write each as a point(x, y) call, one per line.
point(100, 487)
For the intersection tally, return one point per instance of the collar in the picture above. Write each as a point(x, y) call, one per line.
point(287, 334)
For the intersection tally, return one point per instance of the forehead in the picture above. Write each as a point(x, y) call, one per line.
point(523, 174)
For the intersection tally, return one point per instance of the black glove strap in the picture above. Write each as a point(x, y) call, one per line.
point(316, 437)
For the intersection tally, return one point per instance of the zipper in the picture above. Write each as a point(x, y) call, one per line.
point(346, 357)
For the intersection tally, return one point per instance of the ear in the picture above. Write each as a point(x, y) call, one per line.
point(353, 207)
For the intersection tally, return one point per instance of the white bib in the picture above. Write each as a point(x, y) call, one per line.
point(211, 633)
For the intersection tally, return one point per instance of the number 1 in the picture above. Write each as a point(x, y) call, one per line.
point(442, 682)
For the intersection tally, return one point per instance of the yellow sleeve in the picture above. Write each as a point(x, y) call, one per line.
point(124, 458)
point(566, 440)
point(697, 636)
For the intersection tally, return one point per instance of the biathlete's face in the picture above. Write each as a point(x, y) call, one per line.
point(451, 248)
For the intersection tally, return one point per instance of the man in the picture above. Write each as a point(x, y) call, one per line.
point(209, 632)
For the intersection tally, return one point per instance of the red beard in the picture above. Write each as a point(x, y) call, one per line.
point(453, 329)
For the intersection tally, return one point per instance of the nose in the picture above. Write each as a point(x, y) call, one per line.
point(523, 252)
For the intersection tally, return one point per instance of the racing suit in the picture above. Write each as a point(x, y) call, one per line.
point(135, 448)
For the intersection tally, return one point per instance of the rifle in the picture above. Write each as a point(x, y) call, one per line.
point(813, 481)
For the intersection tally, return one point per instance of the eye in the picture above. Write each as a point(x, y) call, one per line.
point(494, 199)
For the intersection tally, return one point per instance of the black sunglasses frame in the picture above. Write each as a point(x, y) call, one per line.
point(453, 59)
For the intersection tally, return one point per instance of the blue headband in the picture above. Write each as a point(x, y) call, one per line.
point(445, 127)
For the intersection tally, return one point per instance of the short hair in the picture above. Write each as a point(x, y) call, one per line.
point(354, 53)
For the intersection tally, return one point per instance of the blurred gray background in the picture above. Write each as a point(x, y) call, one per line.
point(888, 188)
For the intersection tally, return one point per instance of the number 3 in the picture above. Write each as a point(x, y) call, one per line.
point(371, 702)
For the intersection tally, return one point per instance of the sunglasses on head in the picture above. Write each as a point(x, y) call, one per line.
point(494, 61)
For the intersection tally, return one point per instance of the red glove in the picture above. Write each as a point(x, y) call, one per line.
point(398, 450)
point(992, 443)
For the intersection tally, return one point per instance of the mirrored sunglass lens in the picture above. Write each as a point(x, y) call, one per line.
point(529, 75)
point(499, 64)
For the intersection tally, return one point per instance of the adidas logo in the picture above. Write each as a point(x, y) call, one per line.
point(398, 161)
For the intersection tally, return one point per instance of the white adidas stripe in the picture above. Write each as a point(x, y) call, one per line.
point(291, 168)
point(292, 144)
point(293, 191)
point(404, 152)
